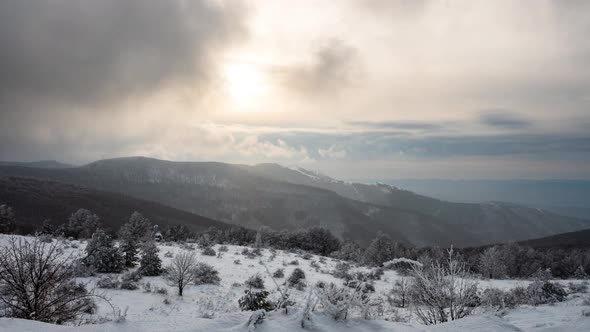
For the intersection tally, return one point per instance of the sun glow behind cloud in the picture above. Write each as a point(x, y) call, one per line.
point(245, 84)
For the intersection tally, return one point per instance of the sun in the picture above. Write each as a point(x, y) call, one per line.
point(244, 83)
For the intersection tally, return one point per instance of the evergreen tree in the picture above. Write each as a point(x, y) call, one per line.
point(130, 235)
point(150, 263)
point(7, 223)
point(102, 254)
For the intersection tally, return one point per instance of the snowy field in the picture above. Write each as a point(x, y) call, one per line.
point(215, 307)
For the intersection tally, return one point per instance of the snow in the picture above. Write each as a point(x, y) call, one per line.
point(214, 307)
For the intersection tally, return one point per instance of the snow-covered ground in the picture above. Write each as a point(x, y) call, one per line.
point(215, 307)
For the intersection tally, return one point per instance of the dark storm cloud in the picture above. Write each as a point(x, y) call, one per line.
point(502, 118)
point(334, 66)
point(99, 51)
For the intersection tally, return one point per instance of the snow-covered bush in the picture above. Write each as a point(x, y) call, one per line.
point(255, 281)
point(338, 301)
point(341, 271)
point(206, 274)
point(516, 296)
point(543, 292)
point(128, 285)
point(296, 276)
point(443, 292)
point(108, 282)
point(578, 287)
point(223, 249)
point(133, 276)
point(279, 273)
point(208, 251)
point(161, 290)
point(493, 297)
point(255, 320)
point(252, 301)
point(38, 283)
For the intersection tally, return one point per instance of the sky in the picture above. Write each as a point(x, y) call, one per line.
point(352, 88)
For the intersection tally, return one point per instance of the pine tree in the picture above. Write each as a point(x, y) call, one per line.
point(130, 235)
point(102, 254)
point(150, 263)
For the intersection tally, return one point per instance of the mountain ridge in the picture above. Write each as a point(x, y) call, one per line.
point(282, 198)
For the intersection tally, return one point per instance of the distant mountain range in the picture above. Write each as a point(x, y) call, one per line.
point(294, 198)
point(567, 197)
point(37, 164)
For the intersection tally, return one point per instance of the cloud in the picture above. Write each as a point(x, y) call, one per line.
point(103, 51)
point(332, 152)
point(400, 125)
point(505, 119)
point(333, 67)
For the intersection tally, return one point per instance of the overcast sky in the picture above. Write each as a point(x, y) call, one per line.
point(356, 89)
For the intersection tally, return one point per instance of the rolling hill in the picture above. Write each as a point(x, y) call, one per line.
point(284, 198)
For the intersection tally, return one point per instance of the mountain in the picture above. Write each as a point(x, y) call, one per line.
point(284, 198)
point(578, 239)
point(37, 164)
point(495, 220)
point(565, 197)
point(36, 200)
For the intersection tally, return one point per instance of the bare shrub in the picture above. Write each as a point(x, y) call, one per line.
point(38, 283)
point(182, 270)
point(443, 292)
point(339, 301)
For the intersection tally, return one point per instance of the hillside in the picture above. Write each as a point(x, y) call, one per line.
point(283, 198)
point(578, 239)
point(34, 201)
point(497, 220)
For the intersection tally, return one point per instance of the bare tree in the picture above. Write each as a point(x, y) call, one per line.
point(491, 264)
point(182, 270)
point(400, 293)
point(37, 282)
point(443, 292)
